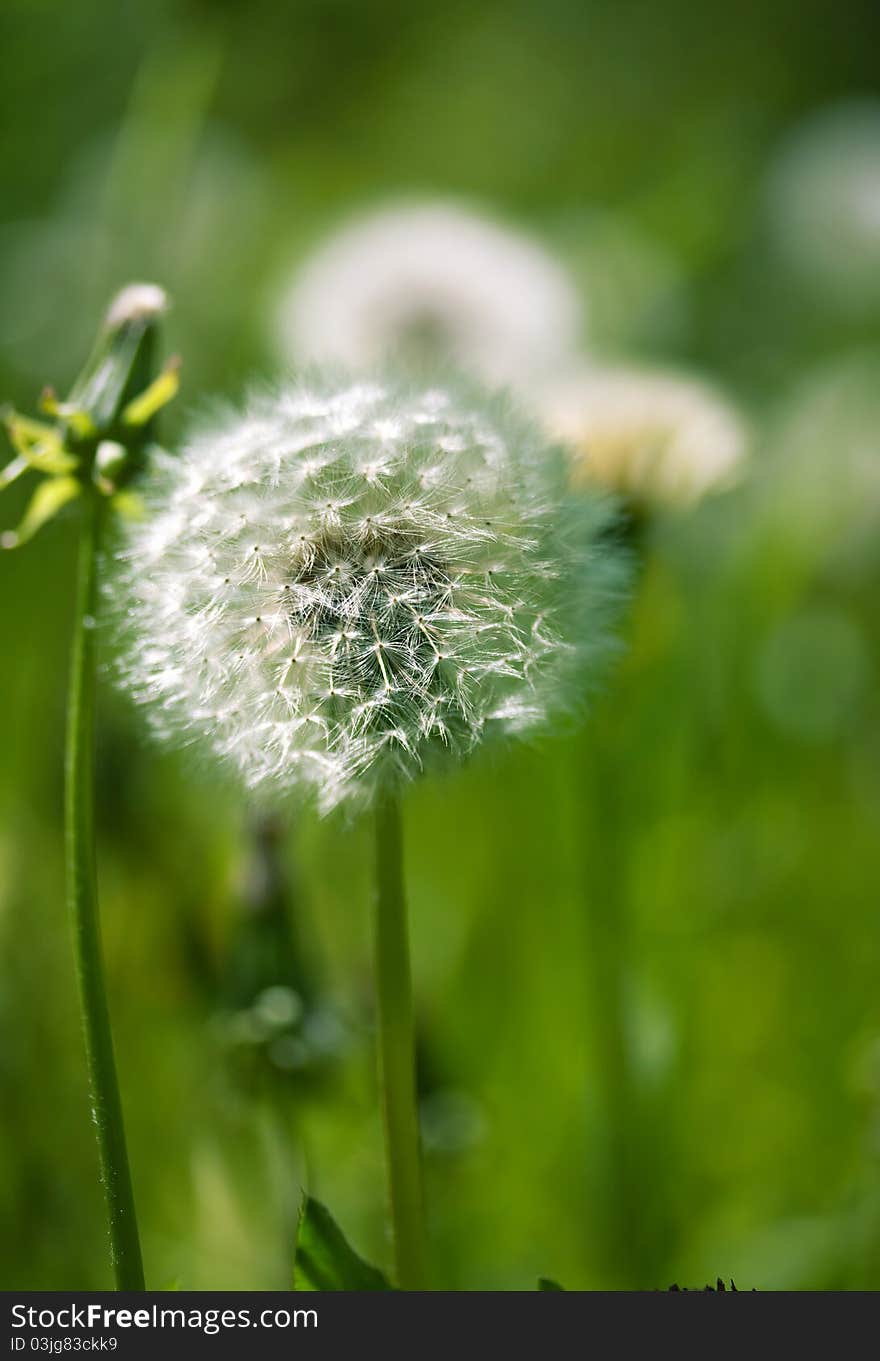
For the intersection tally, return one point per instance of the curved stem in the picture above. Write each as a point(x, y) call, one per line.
point(125, 1251)
point(397, 1061)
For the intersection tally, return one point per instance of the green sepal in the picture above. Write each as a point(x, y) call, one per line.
point(78, 422)
point(12, 471)
point(41, 446)
point(141, 410)
point(49, 498)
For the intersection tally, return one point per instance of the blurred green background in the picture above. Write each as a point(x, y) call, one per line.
point(646, 956)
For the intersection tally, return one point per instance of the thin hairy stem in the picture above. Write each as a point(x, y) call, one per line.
point(397, 1062)
point(125, 1250)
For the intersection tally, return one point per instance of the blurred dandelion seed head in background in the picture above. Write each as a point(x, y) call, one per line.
point(432, 282)
point(342, 581)
point(658, 438)
point(823, 204)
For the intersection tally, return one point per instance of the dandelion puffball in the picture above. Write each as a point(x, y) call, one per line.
point(342, 582)
point(432, 281)
point(657, 438)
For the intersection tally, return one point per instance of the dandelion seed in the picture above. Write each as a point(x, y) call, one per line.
point(425, 613)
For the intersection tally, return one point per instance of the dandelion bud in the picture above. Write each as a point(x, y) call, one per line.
point(121, 362)
point(342, 583)
point(95, 440)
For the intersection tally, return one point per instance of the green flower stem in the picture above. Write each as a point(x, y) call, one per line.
point(397, 1061)
point(125, 1250)
point(609, 962)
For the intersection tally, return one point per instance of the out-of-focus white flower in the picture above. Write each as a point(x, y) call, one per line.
point(823, 203)
point(657, 438)
point(345, 581)
point(432, 280)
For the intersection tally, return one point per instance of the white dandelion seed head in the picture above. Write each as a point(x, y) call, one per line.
point(345, 581)
point(432, 280)
point(657, 438)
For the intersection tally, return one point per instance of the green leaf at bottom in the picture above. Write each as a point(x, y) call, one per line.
point(324, 1259)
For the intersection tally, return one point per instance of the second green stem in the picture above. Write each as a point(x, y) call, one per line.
point(397, 1060)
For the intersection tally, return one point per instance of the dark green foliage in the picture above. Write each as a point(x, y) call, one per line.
point(325, 1260)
